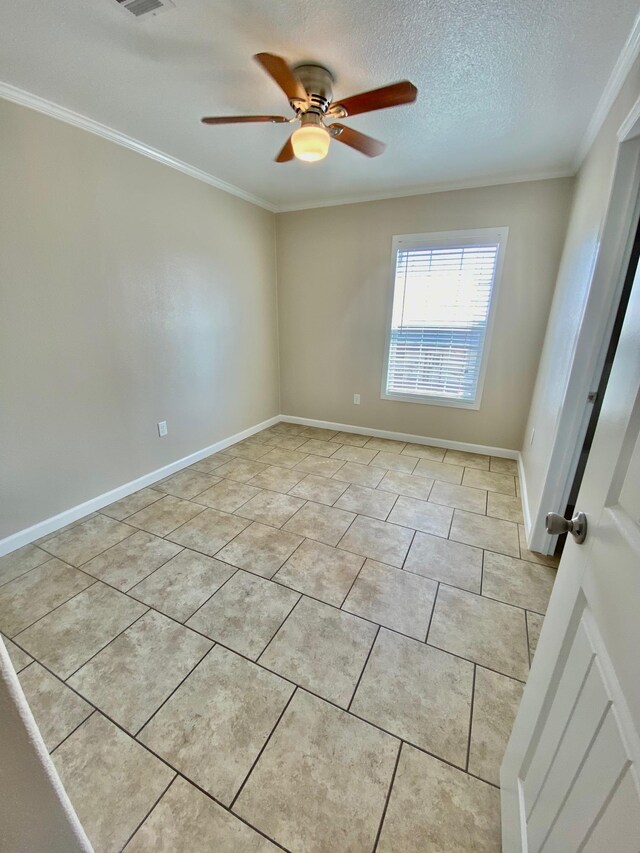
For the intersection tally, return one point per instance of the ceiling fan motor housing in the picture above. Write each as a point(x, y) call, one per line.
point(318, 83)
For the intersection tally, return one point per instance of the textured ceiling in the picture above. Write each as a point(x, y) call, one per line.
point(506, 87)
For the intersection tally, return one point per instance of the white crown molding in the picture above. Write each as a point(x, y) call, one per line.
point(41, 105)
point(624, 63)
point(428, 189)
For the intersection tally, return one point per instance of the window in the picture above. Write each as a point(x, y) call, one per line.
point(444, 292)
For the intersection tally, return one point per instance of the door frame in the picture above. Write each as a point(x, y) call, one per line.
point(608, 273)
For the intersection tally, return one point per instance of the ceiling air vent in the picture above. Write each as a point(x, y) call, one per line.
point(142, 8)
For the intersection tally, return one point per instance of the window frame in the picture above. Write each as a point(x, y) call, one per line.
point(443, 239)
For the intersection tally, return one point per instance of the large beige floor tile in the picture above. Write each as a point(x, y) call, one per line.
point(386, 543)
point(270, 508)
point(534, 556)
point(208, 532)
point(210, 463)
point(459, 497)
point(435, 808)
point(215, 724)
point(283, 458)
point(249, 449)
point(23, 560)
point(130, 678)
point(352, 439)
point(32, 595)
point(508, 507)
point(245, 613)
point(182, 584)
point(18, 658)
point(164, 515)
point(410, 485)
point(388, 445)
point(366, 501)
point(517, 582)
point(498, 465)
point(323, 523)
point(318, 465)
point(241, 470)
point(422, 515)
point(439, 471)
point(57, 709)
point(74, 632)
point(394, 461)
point(502, 483)
point(286, 441)
point(446, 561)
point(391, 597)
point(479, 629)
point(534, 626)
point(227, 495)
point(130, 561)
point(321, 784)
point(319, 433)
point(321, 571)
point(493, 534)
point(186, 484)
point(318, 489)
point(86, 540)
point(425, 451)
point(111, 780)
point(361, 475)
point(185, 819)
point(319, 448)
point(132, 503)
point(495, 704)
point(277, 479)
point(467, 459)
point(419, 693)
point(322, 649)
point(348, 453)
point(260, 549)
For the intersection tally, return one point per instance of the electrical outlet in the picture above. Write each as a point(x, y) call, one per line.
point(356, 399)
point(162, 428)
point(533, 432)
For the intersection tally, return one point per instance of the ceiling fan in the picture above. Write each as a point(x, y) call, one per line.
point(309, 88)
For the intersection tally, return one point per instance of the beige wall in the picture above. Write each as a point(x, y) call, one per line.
point(333, 292)
point(129, 294)
point(593, 185)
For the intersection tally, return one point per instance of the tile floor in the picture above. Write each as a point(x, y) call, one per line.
point(313, 641)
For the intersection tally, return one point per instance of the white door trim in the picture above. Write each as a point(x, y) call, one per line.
point(607, 279)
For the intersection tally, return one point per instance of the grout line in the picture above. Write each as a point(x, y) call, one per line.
point(93, 711)
point(155, 803)
point(53, 609)
point(351, 585)
point(275, 635)
point(264, 746)
point(177, 687)
point(214, 593)
point(526, 628)
point(433, 610)
point(473, 697)
point(364, 666)
point(102, 648)
point(387, 799)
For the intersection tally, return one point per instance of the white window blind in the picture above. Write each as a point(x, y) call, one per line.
point(441, 307)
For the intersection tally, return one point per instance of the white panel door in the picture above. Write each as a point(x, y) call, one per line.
point(570, 773)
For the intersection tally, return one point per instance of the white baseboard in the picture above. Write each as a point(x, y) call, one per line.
point(55, 522)
point(524, 498)
point(503, 452)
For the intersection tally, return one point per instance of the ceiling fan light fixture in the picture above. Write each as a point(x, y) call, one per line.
point(310, 143)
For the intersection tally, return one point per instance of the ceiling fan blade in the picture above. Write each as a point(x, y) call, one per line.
point(277, 68)
point(378, 99)
point(242, 119)
point(286, 153)
point(360, 141)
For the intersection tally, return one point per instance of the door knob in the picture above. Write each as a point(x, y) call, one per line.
point(577, 527)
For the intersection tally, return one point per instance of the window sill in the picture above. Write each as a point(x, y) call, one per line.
point(432, 401)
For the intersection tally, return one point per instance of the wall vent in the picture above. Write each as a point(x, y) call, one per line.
point(142, 8)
